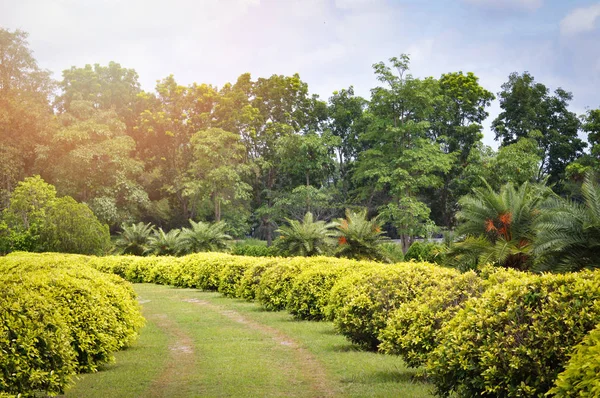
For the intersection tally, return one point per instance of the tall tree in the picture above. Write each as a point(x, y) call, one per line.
point(110, 87)
point(591, 125)
point(346, 121)
point(92, 162)
point(459, 109)
point(400, 160)
point(218, 169)
point(162, 133)
point(529, 107)
point(305, 159)
point(26, 120)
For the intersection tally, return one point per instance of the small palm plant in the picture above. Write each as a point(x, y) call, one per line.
point(163, 243)
point(568, 233)
point(306, 238)
point(499, 225)
point(203, 237)
point(134, 238)
point(360, 238)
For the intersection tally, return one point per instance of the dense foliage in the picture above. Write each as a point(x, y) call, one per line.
point(497, 332)
point(259, 151)
point(580, 377)
point(515, 330)
point(59, 316)
point(37, 220)
point(516, 338)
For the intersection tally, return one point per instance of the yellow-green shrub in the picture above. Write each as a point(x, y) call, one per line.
point(412, 330)
point(249, 283)
point(36, 354)
point(581, 377)
point(201, 270)
point(97, 314)
point(309, 293)
point(275, 283)
point(515, 339)
point(231, 275)
point(361, 302)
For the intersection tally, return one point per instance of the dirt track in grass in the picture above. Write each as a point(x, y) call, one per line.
point(200, 344)
point(304, 362)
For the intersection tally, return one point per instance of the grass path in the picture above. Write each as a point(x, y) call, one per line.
point(199, 344)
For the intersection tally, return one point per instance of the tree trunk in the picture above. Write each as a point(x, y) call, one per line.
point(269, 233)
point(217, 208)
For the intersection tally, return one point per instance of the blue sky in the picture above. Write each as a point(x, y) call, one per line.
point(331, 43)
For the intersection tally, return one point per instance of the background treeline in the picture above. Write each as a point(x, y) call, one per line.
point(257, 151)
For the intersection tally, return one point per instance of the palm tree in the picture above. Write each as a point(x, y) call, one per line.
point(163, 243)
point(306, 238)
point(499, 226)
point(360, 238)
point(203, 237)
point(568, 232)
point(134, 238)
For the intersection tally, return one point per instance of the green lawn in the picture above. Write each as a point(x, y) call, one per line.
point(199, 344)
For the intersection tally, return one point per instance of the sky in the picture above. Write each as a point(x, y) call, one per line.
point(332, 44)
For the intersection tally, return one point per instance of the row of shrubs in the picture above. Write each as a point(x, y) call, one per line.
point(494, 332)
point(59, 317)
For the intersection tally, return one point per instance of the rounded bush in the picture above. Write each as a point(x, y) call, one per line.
point(424, 251)
point(250, 281)
point(201, 270)
point(361, 302)
point(309, 293)
point(515, 339)
point(581, 377)
point(231, 275)
point(276, 282)
point(35, 343)
point(412, 330)
point(93, 313)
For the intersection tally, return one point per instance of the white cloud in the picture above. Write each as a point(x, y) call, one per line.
point(580, 20)
point(518, 4)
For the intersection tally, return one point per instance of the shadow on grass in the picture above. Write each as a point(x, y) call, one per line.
point(380, 377)
point(348, 348)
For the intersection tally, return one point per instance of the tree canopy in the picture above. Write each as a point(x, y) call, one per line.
point(260, 152)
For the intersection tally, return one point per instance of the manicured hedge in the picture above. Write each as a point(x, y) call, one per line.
point(59, 316)
point(308, 295)
point(276, 282)
point(492, 333)
point(516, 338)
point(413, 330)
point(581, 377)
point(361, 302)
point(230, 276)
point(36, 354)
point(249, 283)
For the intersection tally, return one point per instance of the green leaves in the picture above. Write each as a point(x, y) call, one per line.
point(134, 238)
point(59, 316)
point(568, 233)
point(360, 238)
point(516, 337)
point(528, 106)
point(36, 220)
point(580, 377)
point(202, 237)
point(306, 238)
point(499, 225)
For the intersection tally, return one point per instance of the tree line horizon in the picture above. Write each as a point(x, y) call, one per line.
point(256, 152)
